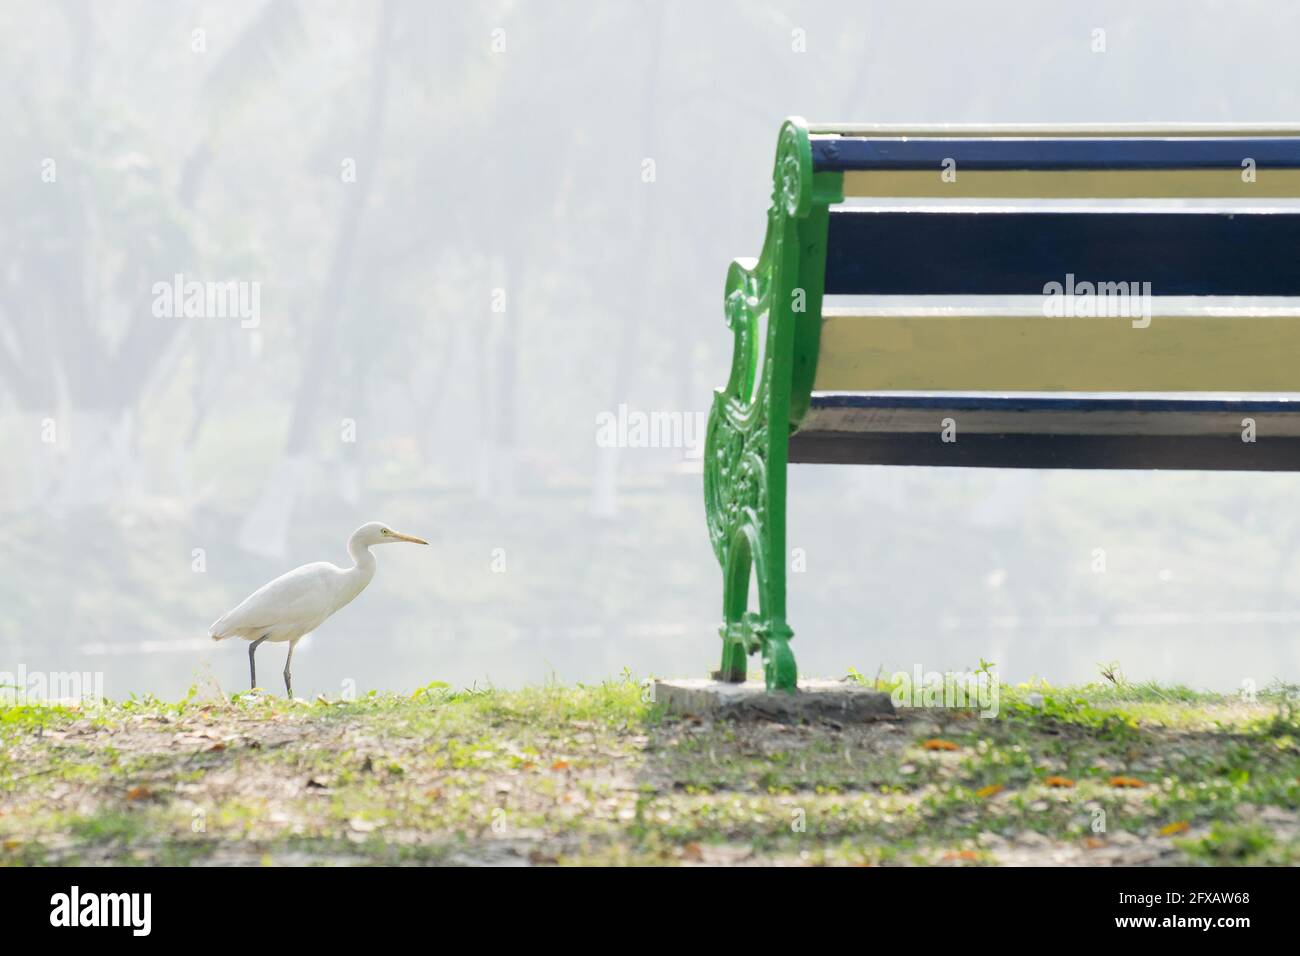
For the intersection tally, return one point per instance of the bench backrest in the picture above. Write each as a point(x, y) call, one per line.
point(1103, 276)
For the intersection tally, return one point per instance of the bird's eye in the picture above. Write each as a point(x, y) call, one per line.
point(384, 531)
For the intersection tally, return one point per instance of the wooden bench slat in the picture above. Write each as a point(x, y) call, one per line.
point(1047, 451)
point(1056, 130)
point(940, 251)
point(942, 351)
point(1002, 164)
point(1034, 413)
point(838, 154)
point(1050, 432)
point(1074, 184)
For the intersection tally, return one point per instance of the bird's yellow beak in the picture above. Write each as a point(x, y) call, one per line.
point(409, 537)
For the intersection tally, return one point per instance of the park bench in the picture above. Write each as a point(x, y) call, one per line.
point(1045, 326)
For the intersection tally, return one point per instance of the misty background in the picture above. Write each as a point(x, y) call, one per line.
point(460, 266)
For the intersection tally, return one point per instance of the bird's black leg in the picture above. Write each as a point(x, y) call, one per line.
point(252, 666)
point(288, 678)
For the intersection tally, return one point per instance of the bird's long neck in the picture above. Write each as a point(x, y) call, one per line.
point(363, 562)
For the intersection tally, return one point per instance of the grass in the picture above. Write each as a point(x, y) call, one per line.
point(1103, 774)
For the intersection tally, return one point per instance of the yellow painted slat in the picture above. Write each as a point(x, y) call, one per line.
point(1075, 184)
point(999, 352)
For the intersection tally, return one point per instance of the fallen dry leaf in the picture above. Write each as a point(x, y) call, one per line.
point(692, 851)
point(1093, 843)
point(961, 855)
point(1179, 826)
point(1129, 782)
point(139, 793)
point(1055, 781)
point(560, 765)
point(989, 791)
point(937, 744)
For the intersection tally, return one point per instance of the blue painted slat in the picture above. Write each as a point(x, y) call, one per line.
point(1002, 252)
point(844, 153)
point(1126, 452)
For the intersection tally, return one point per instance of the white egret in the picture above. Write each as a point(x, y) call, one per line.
point(297, 603)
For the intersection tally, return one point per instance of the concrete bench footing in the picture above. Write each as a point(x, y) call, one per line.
point(840, 701)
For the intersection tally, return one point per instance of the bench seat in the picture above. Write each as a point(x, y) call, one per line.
point(1050, 431)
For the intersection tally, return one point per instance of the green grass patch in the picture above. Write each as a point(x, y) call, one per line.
point(1110, 773)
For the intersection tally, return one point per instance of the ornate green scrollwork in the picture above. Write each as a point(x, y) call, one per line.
point(749, 424)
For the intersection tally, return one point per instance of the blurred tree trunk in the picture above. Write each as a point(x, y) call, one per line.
point(496, 343)
point(265, 529)
point(604, 491)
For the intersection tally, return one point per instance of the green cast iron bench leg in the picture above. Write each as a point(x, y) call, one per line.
point(773, 308)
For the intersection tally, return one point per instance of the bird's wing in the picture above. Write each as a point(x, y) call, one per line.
point(303, 595)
